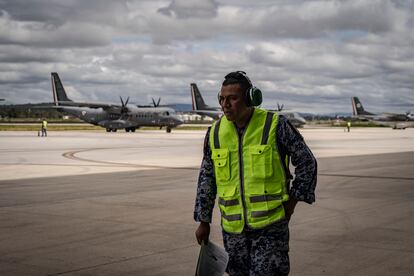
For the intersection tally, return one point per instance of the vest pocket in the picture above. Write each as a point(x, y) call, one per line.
point(265, 209)
point(261, 161)
point(230, 208)
point(221, 164)
point(264, 203)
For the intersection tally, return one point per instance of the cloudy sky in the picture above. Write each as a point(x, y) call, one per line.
point(312, 56)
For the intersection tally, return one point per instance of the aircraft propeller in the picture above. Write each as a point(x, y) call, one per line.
point(124, 108)
point(156, 104)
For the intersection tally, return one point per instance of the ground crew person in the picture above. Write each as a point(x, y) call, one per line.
point(44, 127)
point(348, 125)
point(245, 164)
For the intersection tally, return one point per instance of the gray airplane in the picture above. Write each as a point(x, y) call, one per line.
point(113, 116)
point(201, 108)
point(396, 120)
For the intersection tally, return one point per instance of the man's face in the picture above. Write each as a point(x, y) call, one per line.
point(232, 102)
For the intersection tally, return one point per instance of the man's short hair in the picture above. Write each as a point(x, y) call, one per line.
point(237, 78)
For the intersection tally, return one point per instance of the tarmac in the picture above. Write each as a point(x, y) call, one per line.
point(96, 203)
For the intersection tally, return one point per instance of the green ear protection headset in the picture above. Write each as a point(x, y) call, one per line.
point(253, 95)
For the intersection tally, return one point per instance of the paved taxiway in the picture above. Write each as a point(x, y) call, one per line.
point(95, 203)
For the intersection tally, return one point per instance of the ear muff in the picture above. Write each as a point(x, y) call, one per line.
point(254, 96)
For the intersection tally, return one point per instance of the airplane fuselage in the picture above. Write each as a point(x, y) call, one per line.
point(294, 118)
point(215, 114)
point(163, 117)
point(386, 117)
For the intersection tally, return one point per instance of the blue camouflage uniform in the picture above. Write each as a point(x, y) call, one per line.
point(261, 251)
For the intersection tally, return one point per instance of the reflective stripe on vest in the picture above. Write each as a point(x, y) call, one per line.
point(258, 214)
point(250, 177)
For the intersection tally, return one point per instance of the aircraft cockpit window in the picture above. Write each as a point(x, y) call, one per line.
point(166, 113)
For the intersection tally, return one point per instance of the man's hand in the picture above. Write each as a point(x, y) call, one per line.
point(289, 207)
point(203, 232)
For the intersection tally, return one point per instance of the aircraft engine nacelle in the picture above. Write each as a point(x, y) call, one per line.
point(132, 108)
point(116, 124)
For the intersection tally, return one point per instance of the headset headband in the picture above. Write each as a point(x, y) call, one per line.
point(253, 95)
point(238, 75)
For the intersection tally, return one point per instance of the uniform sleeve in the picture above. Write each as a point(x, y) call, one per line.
point(206, 186)
point(291, 142)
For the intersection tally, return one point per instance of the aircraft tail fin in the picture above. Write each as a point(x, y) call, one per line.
point(357, 108)
point(197, 99)
point(59, 94)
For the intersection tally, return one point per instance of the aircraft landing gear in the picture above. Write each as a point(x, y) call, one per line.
point(168, 129)
point(130, 129)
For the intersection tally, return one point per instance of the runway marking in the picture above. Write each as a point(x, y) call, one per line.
point(367, 176)
point(60, 165)
point(28, 150)
point(124, 260)
point(72, 155)
point(80, 149)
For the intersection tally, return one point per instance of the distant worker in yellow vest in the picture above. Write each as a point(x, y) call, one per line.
point(44, 127)
point(348, 126)
point(246, 165)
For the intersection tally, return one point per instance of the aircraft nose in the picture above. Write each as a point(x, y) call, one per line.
point(178, 121)
point(174, 121)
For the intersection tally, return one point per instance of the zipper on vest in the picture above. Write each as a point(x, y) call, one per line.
point(241, 172)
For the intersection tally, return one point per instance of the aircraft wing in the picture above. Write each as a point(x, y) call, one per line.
point(106, 106)
point(113, 108)
point(91, 105)
point(44, 106)
point(161, 105)
point(397, 116)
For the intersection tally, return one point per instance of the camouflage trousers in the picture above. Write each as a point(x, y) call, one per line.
point(259, 252)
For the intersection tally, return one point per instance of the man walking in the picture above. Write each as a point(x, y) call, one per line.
point(246, 164)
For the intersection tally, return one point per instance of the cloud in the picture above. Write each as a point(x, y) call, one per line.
point(37, 34)
point(190, 9)
point(311, 55)
point(102, 12)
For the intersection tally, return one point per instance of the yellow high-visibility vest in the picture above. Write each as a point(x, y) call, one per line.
point(44, 124)
point(250, 177)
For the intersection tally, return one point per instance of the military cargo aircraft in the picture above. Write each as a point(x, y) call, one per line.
point(396, 120)
point(201, 108)
point(113, 116)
